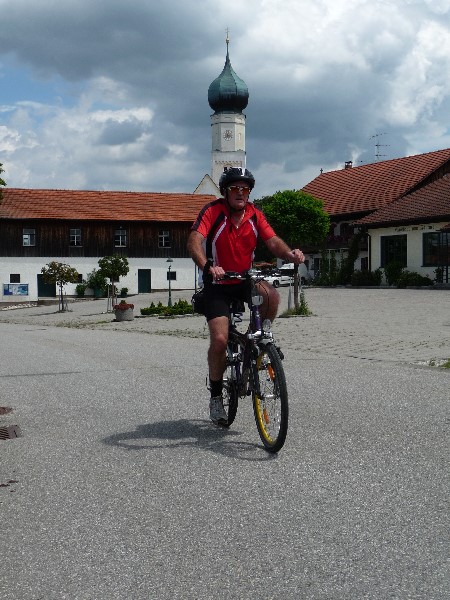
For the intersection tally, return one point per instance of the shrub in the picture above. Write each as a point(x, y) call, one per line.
point(410, 278)
point(439, 275)
point(181, 307)
point(96, 280)
point(80, 289)
point(366, 277)
point(393, 271)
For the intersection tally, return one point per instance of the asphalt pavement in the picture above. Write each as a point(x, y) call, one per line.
point(119, 487)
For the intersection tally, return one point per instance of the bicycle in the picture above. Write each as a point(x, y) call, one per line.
point(254, 368)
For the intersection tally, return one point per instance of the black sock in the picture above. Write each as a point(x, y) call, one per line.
point(215, 387)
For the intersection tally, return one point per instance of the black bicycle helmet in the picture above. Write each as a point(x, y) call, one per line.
point(233, 174)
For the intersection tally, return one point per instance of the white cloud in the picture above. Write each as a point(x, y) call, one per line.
point(117, 98)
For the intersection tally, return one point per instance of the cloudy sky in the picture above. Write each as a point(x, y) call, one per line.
point(107, 94)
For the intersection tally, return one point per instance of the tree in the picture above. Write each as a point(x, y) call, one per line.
point(298, 218)
point(59, 273)
point(2, 181)
point(113, 267)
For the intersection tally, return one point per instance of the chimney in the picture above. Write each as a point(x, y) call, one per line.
point(348, 164)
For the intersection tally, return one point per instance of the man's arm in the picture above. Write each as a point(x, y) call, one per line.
point(197, 253)
point(196, 250)
point(280, 249)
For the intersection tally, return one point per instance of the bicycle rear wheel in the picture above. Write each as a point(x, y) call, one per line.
point(230, 385)
point(270, 398)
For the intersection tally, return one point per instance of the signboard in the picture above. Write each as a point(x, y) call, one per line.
point(171, 275)
point(15, 289)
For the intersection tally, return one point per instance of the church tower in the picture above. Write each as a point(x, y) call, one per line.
point(227, 96)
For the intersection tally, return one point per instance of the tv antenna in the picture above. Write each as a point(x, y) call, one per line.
point(378, 145)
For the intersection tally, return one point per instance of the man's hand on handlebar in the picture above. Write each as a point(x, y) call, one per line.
point(212, 273)
point(297, 256)
point(217, 273)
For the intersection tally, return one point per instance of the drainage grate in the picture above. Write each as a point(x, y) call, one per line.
point(8, 433)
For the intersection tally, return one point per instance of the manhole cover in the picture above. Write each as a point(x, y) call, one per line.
point(10, 432)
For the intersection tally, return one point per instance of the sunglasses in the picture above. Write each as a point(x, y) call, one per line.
point(239, 188)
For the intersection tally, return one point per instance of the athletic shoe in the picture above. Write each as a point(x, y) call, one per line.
point(217, 412)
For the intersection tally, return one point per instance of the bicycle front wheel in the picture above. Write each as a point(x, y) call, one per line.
point(270, 398)
point(230, 385)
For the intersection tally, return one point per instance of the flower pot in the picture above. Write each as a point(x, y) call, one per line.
point(124, 315)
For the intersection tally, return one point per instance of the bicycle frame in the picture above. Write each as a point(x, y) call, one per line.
point(257, 332)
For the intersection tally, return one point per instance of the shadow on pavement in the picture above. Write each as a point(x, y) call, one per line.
point(197, 433)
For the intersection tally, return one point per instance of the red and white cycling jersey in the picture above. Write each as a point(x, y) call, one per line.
point(231, 247)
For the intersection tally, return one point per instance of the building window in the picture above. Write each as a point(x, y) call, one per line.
point(393, 249)
point(164, 238)
point(75, 237)
point(29, 237)
point(365, 263)
point(120, 238)
point(436, 251)
point(14, 278)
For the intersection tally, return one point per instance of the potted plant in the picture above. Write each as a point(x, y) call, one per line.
point(97, 282)
point(123, 292)
point(124, 311)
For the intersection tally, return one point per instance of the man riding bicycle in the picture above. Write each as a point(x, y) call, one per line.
point(223, 238)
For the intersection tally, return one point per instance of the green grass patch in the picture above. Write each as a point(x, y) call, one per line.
point(302, 310)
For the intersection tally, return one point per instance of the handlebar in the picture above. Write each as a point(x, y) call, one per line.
point(242, 276)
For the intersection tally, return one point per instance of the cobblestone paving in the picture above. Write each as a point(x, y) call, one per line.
point(411, 326)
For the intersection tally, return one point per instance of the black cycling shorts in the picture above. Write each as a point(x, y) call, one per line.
point(218, 298)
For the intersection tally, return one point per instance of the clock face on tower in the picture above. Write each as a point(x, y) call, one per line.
point(227, 134)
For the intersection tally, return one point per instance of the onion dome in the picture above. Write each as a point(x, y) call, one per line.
point(228, 93)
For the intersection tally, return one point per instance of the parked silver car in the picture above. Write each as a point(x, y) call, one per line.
point(284, 275)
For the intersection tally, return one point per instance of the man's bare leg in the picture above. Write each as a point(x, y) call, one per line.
point(218, 339)
point(271, 300)
point(218, 331)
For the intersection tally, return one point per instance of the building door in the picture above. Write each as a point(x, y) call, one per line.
point(45, 290)
point(144, 281)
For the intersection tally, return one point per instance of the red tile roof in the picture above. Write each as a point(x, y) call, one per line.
point(105, 206)
point(369, 187)
point(430, 203)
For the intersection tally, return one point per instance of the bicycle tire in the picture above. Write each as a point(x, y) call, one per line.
point(230, 386)
point(270, 401)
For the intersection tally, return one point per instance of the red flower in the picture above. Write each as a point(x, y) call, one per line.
point(123, 306)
